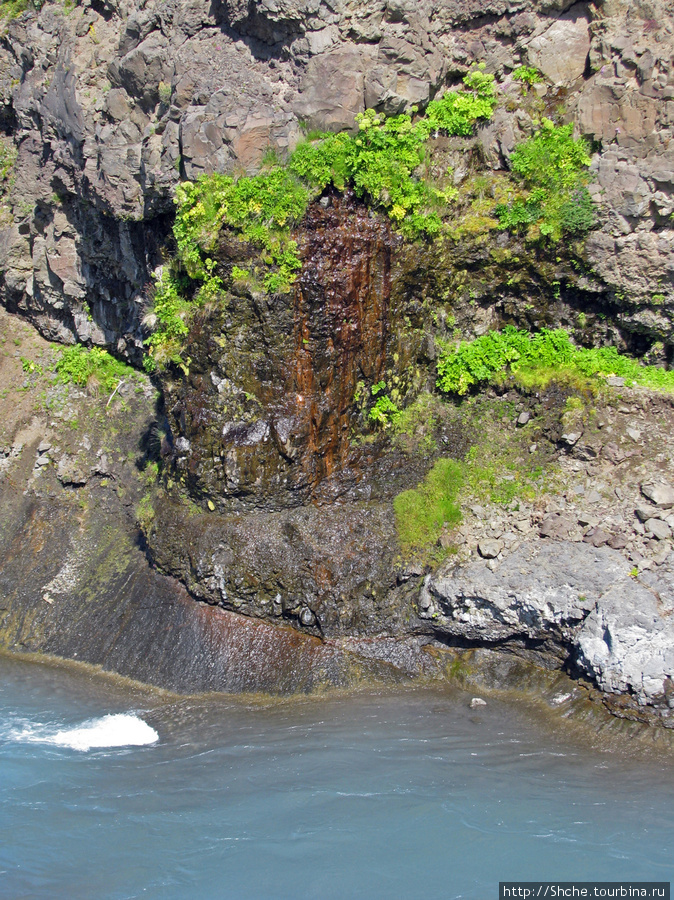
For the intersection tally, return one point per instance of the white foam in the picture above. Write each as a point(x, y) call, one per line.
point(120, 730)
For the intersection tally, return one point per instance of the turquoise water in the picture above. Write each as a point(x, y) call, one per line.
point(392, 795)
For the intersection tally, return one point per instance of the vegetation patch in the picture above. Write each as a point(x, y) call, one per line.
point(383, 163)
point(542, 356)
point(8, 155)
point(527, 75)
point(423, 512)
point(384, 412)
point(92, 368)
point(10, 9)
point(552, 168)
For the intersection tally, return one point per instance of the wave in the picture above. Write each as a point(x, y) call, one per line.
point(115, 730)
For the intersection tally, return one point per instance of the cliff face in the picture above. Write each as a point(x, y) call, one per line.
point(276, 499)
point(109, 104)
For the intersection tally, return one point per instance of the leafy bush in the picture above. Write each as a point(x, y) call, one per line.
point(8, 155)
point(10, 9)
point(382, 159)
point(527, 75)
point(577, 214)
point(384, 412)
point(260, 208)
point(481, 361)
point(553, 168)
point(171, 313)
point(456, 112)
point(91, 368)
point(422, 512)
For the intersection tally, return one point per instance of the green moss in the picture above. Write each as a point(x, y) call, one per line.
point(416, 423)
point(421, 513)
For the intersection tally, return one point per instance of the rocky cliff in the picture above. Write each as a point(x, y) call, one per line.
point(276, 493)
point(107, 105)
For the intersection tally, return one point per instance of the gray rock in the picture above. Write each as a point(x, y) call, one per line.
point(618, 541)
point(69, 473)
point(332, 91)
point(307, 617)
point(571, 438)
point(613, 453)
point(643, 513)
point(597, 537)
point(523, 418)
point(618, 630)
point(587, 519)
point(476, 702)
point(555, 526)
point(489, 548)
point(561, 51)
point(44, 447)
point(661, 494)
point(660, 529)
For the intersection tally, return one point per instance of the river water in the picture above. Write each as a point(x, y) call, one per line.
point(407, 794)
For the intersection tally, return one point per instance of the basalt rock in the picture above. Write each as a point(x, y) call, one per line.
point(109, 106)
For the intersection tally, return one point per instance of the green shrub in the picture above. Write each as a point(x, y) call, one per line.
point(421, 513)
point(8, 153)
point(549, 352)
point(456, 112)
point(91, 368)
point(10, 9)
point(384, 412)
point(577, 215)
point(259, 208)
point(553, 169)
point(527, 75)
point(382, 160)
point(172, 313)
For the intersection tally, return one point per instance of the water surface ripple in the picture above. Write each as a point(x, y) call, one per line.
point(405, 795)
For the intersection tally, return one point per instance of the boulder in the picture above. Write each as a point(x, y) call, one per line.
point(332, 90)
point(489, 548)
point(619, 631)
point(660, 494)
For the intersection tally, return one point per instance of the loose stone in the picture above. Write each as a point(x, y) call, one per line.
point(660, 494)
point(660, 529)
point(489, 548)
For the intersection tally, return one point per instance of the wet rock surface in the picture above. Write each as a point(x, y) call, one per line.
point(302, 597)
point(274, 398)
